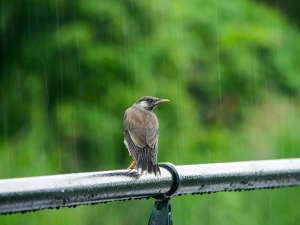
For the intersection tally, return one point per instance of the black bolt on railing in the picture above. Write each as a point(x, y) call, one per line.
point(35, 193)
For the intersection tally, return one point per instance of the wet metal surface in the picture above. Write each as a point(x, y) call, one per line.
point(207, 178)
point(34, 193)
point(27, 194)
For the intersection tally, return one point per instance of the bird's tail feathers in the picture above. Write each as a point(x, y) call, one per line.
point(146, 164)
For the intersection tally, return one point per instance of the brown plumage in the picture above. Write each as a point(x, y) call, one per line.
point(141, 129)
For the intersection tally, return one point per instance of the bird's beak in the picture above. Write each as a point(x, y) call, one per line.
point(161, 101)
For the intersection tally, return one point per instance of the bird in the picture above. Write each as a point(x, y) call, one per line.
point(141, 130)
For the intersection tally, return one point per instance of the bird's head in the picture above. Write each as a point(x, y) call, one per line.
point(149, 103)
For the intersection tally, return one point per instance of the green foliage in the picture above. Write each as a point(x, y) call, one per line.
point(70, 69)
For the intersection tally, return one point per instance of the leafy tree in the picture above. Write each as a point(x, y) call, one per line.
point(70, 69)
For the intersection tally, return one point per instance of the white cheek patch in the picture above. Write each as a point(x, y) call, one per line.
point(144, 104)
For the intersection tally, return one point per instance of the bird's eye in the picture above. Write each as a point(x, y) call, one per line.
point(150, 100)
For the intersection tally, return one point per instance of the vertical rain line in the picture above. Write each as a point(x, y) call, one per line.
point(181, 80)
point(110, 19)
point(178, 118)
point(17, 67)
point(256, 91)
point(179, 103)
point(20, 88)
point(43, 150)
point(58, 37)
point(58, 86)
point(47, 92)
point(4, 103)
point(7, 143)
point(74, 142)
point(282, 132)
point(163, 34)
point(265, 77)
point(293, 130)
point(77, 42)
point(28, 20)
point(134, 50)
point(250, 74)
point(218, 57)
point(127, 55)
point(147, 42)
point(58, 135)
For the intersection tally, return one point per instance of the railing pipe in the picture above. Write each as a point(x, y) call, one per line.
point(34, 193)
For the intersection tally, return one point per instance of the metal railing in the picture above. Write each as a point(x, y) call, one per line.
point(35, 193)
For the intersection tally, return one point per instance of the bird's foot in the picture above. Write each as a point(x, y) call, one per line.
point(131, 167)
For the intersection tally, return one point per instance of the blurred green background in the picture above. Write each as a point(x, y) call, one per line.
point(70, 69)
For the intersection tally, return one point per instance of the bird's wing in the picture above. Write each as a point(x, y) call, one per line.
point(134, 123)
point(152, 131)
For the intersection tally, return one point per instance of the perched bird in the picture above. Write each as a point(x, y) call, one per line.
point(141, 128)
